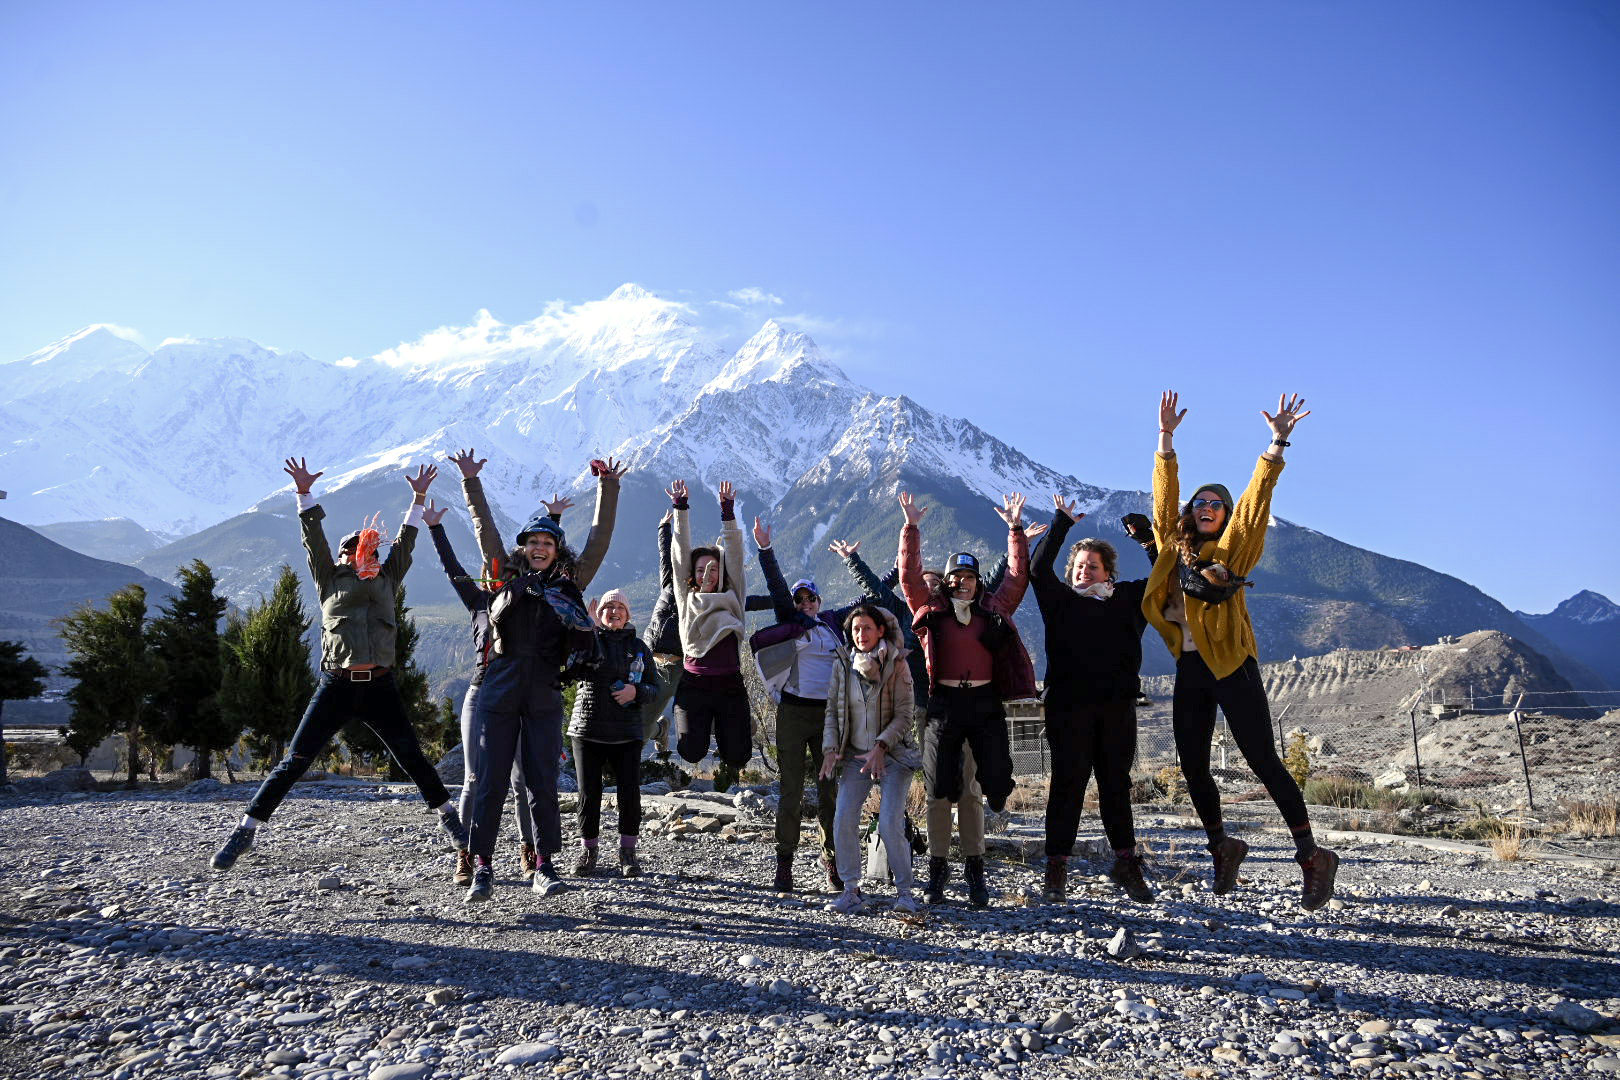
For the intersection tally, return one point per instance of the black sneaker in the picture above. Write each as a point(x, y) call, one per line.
point(236, 845)
point(450, 822)
point(483, 885)
point(546, 879)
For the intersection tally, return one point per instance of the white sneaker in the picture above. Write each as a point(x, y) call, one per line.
point(906, 904)
point(849, 901)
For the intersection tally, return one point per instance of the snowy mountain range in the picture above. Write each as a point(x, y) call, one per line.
point(187, 440)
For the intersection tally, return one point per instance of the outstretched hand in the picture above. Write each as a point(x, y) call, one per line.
point(463, 460)
point(1071, 510)
point(829, 762)
point(762, 534)
point(1288, 414)
point(558, 504)
point(1011, 509)
point(301, 476)
point(843, 549)
point(1169, 418)
point(909, 507)
point(432, 515)
point(677, 491)
point(726, 492)
point(615, 469)
point(873, 762)
point(423, 479)
point(1032, 531)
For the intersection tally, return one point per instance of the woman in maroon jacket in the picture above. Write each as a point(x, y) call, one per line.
point(976, 661)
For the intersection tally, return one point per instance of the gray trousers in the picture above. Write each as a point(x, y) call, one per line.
point(853, 787)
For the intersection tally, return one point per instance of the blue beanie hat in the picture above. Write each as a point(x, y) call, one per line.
point(541, 523)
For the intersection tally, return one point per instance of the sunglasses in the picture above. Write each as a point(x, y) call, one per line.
point(1213, 504)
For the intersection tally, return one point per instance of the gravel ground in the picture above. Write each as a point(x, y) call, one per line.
point(339, 948)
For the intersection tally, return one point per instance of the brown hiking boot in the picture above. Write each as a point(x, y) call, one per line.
point(1320, 870)
point(531, 859)
point(1056, 887)
point(1127, 874)
point(629, 865)
point(585, 866)
point(1229, 855)
point(784, 874)
point(464, 868)
point(833, 879)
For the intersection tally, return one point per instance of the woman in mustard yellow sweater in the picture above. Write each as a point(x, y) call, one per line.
point(1194, 598)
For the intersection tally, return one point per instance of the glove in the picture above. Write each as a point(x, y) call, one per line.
point(1137, 527)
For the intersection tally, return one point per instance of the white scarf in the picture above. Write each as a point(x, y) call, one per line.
point(869, 665)
point(963, 610)
point(1101, 590)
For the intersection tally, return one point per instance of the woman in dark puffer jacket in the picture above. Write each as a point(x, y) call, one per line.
point(606, 727)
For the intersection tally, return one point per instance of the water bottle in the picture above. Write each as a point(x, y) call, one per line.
point(636, 668)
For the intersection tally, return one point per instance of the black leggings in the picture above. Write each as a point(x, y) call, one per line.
point(624, 759)
point(973, 716)
point(714, 705)
point(1242, 697)
point(1098, 737)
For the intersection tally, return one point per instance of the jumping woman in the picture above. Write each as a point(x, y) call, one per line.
point(1194, 598)
point(357, 593)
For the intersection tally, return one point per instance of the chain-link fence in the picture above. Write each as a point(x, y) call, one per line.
point(1480, 751)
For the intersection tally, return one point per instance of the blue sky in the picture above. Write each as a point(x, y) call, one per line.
point(1036, 215)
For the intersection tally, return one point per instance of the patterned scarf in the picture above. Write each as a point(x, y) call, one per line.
point(869, 665)
point(1101, 590)
point(366, 562)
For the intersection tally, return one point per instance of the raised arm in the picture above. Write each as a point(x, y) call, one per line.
point(775, 583)
point(1166, 476)
point(316, 549)
point(1140, 529)
point(488, 537)
point(871, 585)
point(912, 586)
point(666, 577)
point(608, 474)
point(1245, 536)
point(399, 553)
point(731, 542)
point(680, 546)
point(1042, 570)
point(1010, 593)
point(471, 596)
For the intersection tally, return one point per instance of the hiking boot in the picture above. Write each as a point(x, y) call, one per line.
point(546, 879)
point(1127, 874)
point(483, 885)
point(1056, 887)
point(464, 868)
point(978, 889)
point(1320, 870)
point(629, 865)
point(1228, 855)
point(531, 859)
point(784, 874)
point(939, 872)
point(236, 845)
point(450, 822)
point(832, 874)
point(849, 901)
point(586, 866)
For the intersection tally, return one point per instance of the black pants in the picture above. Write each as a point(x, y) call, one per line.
point(1242, 697)
point(336, 701)
point(518, 712)
point(624, 758)
point(714, 705)
point(1098, 737)
point(971, 715)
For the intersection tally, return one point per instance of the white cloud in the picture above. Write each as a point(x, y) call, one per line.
point(753, 295)
point(125, 332)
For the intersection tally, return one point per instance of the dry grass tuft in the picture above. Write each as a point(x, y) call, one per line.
point(1593, 818)
point(1508, 846)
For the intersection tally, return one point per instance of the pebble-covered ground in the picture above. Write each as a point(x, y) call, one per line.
point(339, 948)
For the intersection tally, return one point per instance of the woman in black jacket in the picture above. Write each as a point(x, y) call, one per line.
point(1094, 625)
point(606, 727)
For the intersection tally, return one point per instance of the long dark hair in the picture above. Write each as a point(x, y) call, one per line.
point(691, 565)
point(1189, 541)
